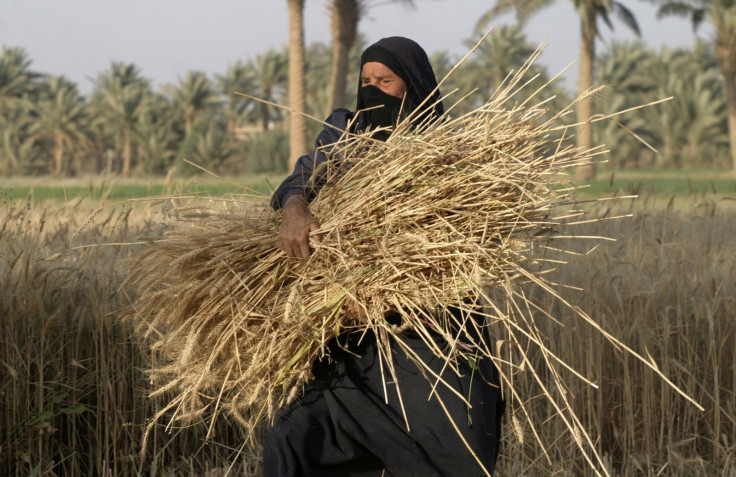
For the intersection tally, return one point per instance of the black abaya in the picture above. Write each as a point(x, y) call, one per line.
point(342, 425)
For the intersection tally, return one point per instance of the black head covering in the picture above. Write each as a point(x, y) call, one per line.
point(410, 62)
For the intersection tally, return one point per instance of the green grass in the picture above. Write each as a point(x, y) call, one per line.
point(660, 186)
point(661, 183)
point(96, 189)
point(656, 183)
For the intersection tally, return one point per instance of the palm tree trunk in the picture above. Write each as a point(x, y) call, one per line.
point(126, 153)
point(188, 124)
point(344, 17)
point(4, 163)
point(297, 101)
point(58, 154)
point(585, 81)
point(265, 122)
point(731, 104)
point(231, 124)
point(725, 48)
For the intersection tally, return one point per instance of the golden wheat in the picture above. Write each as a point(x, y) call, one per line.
point(455, 212)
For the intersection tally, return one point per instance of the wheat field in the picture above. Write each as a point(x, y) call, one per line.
point(74, 392)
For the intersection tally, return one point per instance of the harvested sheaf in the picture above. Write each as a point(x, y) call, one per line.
point(448, 213)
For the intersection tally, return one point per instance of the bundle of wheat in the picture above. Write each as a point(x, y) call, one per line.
point(442, 214)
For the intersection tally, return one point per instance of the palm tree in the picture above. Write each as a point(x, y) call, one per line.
point(318, 63)
point(238, 79)
point(60, 118)
point(17, 148)
point(704, 111)
point(626, 68)
point(353, 73)
point(297, 82)
point(722, 16)
point(121, 93)
point(269, 71)
point(16, 77)
point(158, 134)
point(212, 149)
point(344, 18)
point(503, 52)
point(193, 95)
point(461, 90)
point(590, 11)
point(17, 81)
point(523, 11)
point(666, 121)
point(691, 126)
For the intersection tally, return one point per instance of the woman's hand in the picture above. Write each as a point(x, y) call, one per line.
point(355, 310)
point(296, 224)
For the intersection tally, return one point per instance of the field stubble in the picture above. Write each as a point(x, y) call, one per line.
point(73, 391)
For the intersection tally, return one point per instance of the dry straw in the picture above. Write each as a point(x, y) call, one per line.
point(454, 212)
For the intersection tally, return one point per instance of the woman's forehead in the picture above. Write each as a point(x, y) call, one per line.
point(376, 69)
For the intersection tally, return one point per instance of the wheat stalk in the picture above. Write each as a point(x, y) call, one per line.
point(458, 212)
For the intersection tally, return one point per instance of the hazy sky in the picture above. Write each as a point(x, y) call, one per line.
point(165, 38)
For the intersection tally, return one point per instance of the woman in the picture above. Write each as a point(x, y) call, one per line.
point(348, 422)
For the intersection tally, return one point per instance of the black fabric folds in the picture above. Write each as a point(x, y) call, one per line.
point(341, 425)
point(405, 58)
point(410, 62)
point(308, 175)
point(386, 112)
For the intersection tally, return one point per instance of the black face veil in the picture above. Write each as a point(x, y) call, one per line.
point(410, 62)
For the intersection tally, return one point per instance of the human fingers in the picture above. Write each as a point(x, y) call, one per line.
point(302, 247)
point(285, 245)
point(313, 227)
point(296, 248)
point(294, 239)
point(300, 239)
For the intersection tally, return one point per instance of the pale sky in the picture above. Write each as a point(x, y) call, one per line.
point(165, 38)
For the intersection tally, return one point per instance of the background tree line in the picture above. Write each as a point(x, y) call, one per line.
point(127, 126)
